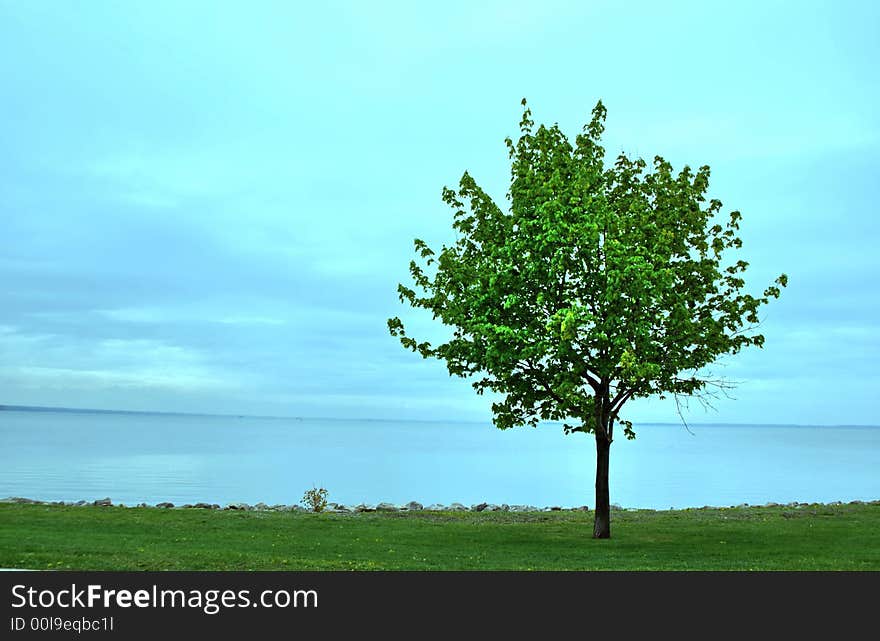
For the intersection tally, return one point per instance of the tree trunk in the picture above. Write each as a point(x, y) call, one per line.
point(602, 524)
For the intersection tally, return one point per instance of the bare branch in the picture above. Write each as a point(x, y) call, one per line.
point(680, 414)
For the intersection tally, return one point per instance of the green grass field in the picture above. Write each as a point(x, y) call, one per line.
point(816, 537)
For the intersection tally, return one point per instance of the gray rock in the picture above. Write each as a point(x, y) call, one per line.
point(582, 508)
point(363, 507)
point(386, 507)
point(206, 506)
point(261, 506)
point(339, 509)
point(414, 506)
point(479, 507)
point(771, 504)
point(504, 507)
point(492, 508)
point(615, 506)
point(142, 505)
point(21, 500)
point(436, 507)
point(742, 505)
point(856, 502)
point(81, 503)
point(555, 508)
point(457, 507)
point(186, 506)
point(165, 504)
point(106, 502)
point(238, 506)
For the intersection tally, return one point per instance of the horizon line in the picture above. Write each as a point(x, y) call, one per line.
point(46, 408)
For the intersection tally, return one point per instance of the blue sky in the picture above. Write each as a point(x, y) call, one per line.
point(207, 206)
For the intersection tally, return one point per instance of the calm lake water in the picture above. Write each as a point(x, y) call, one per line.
point(133, 458)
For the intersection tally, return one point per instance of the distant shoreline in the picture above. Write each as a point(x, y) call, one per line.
point(77, 410)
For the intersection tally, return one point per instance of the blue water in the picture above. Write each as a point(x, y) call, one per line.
point(133, 458)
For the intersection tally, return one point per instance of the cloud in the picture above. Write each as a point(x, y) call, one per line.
point(251, 320)
point(62, 362)
point(186, 314)
point(183, 380)
point(167, 177)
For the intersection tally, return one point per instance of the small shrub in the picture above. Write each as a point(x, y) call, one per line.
point(316, 499)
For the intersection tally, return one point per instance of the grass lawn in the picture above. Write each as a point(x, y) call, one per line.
point(816, 537)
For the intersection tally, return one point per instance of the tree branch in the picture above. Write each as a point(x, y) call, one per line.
point(532, 370)
point(681, 415)
point(594, 383)
point(621, 398)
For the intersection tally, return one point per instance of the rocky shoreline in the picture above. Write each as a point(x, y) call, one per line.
point(412, 506)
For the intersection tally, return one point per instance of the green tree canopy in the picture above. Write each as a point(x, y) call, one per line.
point(598, 284)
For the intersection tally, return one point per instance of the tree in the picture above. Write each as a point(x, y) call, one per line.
point(596, 286)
